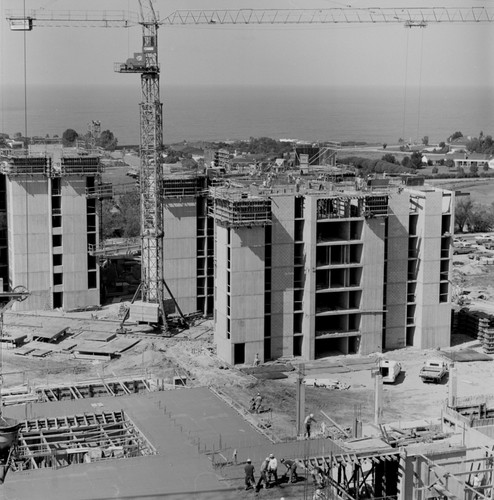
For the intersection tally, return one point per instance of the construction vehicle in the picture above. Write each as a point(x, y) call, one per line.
point(433, 371)
point(389, 370)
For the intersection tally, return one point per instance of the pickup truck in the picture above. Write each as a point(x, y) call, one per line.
point(433, 370)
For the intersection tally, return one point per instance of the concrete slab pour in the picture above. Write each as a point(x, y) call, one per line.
point(189, 428)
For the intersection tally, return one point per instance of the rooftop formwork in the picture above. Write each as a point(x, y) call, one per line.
point(44, 165)
point(234, 208)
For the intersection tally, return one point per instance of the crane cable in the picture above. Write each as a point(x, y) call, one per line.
point(420, 84)
point(25, 76)
point(405, 87)
point(26, 147)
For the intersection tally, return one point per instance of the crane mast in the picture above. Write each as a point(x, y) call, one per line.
point(151, 170)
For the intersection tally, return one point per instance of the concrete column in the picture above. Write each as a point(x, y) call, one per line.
point(452, 386)
point(300, 400)
point(378, 398)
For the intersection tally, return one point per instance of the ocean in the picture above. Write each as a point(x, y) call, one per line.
point(370, 114)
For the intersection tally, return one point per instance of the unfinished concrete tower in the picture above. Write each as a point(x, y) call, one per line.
point(315, 272)
point(50, 223)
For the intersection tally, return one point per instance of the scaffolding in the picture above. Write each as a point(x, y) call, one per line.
point(360, 475)
point(81, 165)
point(101, 191)
point(376, 205)
point(352, 206)
point(240, 210)
point(61, 441)
point(183, 187)
point(128, 247)
point(26, 166)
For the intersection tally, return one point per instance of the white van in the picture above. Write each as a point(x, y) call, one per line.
point(389, 370)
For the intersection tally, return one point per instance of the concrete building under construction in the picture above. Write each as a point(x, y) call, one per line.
point(47, 223)
point(289, 264)
point(312, 268)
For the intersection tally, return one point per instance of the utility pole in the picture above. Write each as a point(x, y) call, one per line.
point(300, 399)
point(378, 396)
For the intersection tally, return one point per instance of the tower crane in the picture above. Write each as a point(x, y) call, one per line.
point(151, 171)
point(151, 299)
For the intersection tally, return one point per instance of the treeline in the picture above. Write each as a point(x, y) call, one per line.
point(105, 140)
point(483, 144)
point(257, 145)
point(367, 166)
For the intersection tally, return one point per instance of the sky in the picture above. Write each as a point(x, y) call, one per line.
point(319, 55)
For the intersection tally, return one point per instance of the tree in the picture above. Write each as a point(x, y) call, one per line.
point(406, 161)
point(385, 146)
point(481, 218)
point(416, 160)
point(107, 140)
point(442, 144)
point(130, 208)
point(69, 137)
point(389, 158)
point(460, 172)
point(463, 211)
point(474, 170)
point(435, 170)
point(455, 135)
point(485, 167)
point(425, 140)
point(449, 163)
point(123, 218)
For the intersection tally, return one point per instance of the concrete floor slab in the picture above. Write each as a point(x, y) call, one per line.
point(168, 420)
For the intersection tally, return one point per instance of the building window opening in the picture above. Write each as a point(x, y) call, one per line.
point(297, 345)
point(57, 300)
point(239, 354)
point(326, 347)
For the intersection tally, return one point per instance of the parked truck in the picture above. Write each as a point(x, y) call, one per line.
point(433, 371)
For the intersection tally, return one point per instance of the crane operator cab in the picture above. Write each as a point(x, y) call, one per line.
point(149, 43)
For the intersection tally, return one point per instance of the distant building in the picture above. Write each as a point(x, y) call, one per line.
point(467, 160)
point(219, 158)
point(47, 223)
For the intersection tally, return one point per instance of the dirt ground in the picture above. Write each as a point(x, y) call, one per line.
point(192, 353)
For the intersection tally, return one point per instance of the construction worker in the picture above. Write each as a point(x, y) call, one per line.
point(318, 477)
point(256, 361)
point(291, 469)
point(477, 485)
point(264, 474)
point(250, 482)
point(273, 470)
point(308, 422)
point(319, 495)
point(257, 402)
